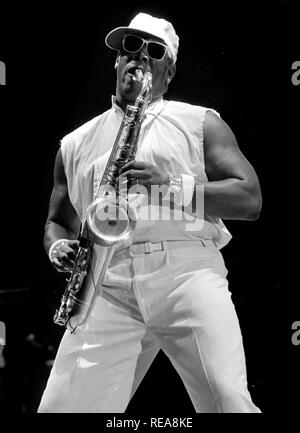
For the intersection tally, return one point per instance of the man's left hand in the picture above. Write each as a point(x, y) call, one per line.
point(143, 173)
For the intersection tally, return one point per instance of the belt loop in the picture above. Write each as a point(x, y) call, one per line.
point(202, 242)
point(130, 250)
point(164, 245)
point(148, 249)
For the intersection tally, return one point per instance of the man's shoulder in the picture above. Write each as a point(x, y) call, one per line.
point(187, 107)
point(188, 114)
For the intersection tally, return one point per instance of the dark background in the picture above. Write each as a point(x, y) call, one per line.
point(234, 57)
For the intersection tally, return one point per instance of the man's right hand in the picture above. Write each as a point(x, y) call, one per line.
point(63, 255)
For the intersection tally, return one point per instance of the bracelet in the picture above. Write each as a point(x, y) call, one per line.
point(175, 188)
point(181, 189)
point(55, 247)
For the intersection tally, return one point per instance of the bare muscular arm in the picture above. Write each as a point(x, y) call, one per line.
point(233, 191)
point(63, 221)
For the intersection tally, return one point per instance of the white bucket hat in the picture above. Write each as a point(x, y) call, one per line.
point(146, 25)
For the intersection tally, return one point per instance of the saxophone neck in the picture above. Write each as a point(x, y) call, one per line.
point(145, 95)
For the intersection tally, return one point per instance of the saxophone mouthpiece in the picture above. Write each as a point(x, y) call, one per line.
point(138, 75)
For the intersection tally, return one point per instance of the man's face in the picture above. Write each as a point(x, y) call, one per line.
point(127, 88)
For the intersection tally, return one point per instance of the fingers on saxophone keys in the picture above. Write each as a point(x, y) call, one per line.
point(67, 259)
point(71, 252)
point(59, 266)
point(74, 245)
point(129, 180)
point(126, 167)
point(137, 165)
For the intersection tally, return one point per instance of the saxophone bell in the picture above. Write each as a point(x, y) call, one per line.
point(110, 220)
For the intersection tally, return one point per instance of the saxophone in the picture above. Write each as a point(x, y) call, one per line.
point(100, 234)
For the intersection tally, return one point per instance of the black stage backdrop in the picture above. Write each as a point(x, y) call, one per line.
point(235, 57)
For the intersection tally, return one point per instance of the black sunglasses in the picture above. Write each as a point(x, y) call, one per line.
point(155, 50)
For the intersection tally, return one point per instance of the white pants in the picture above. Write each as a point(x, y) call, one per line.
point(175, 299)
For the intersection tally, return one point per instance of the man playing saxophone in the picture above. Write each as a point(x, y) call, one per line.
point(166, 286)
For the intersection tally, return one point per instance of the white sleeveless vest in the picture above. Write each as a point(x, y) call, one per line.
point(171, 138)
